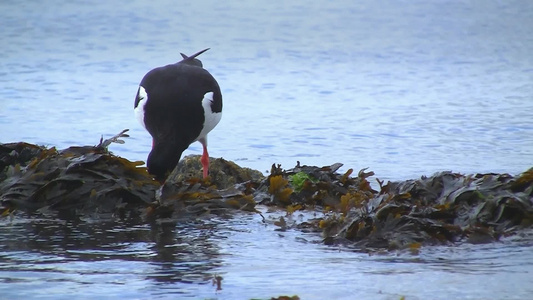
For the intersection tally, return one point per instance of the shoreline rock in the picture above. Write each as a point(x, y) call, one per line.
point(442, 209)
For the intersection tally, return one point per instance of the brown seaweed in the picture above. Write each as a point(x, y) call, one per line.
point(444, 208)
point(441, 209)
point(81, 180)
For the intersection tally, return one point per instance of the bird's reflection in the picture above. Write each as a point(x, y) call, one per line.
point(184, 252)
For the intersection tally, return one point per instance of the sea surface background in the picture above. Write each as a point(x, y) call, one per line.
point(406, 88)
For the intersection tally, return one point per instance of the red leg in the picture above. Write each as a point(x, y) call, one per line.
point(205, 161)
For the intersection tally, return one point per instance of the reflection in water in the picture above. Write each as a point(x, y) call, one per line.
point(119, 259)
point(184, 253)
point(174, 252)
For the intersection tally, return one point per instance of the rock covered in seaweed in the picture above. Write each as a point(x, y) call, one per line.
point(223, 173)
point(310, 185)
point(91, 180)
point(228, 187)
point(79, 180)
point(447, 207)
point(13, 154)
point(444, 208)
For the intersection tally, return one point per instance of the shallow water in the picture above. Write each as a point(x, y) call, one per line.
point(406, 88)
point(124, 260)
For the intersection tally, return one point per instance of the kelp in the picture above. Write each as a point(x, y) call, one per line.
point(314, 186)
point(441, 209)
point(228, 187)
point(90, 180)
point(81, 180)
point(195, 196)
point(222, 173)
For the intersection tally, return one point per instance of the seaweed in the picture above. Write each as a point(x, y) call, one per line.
point(80, 180)
point(445, 208)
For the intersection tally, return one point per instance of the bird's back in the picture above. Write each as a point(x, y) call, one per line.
point(174, 106)
point(178, 104)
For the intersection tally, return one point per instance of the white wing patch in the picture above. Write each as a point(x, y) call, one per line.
point(139, 110)
point(211, 118)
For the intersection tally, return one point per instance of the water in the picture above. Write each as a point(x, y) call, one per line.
point(121, 260)
point(405, 88)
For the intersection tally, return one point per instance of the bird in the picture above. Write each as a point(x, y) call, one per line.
point(178, 104)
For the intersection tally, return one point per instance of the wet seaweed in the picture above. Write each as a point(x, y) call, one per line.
point(442, 209)
point(81, 180)
point(91, 180)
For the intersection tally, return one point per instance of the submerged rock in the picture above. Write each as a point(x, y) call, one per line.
point(442, 209)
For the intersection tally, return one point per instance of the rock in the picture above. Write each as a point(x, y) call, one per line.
point(14, 154)
point(90, 180)
point(80, 180)
point(441, 209)
point(222, 173)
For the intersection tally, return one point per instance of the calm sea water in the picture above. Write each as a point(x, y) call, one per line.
point(406, 88)
point(50, 259)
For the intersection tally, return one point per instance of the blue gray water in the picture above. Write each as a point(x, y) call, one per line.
point(406, 88)
point(49, 259)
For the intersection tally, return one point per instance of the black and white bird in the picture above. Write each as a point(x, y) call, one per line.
point(178, 104)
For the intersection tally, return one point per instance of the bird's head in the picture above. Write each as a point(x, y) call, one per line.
point(192, 60)
point(162, 160)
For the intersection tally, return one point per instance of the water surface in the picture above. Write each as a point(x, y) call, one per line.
point(406, 88)
point(117, 260)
